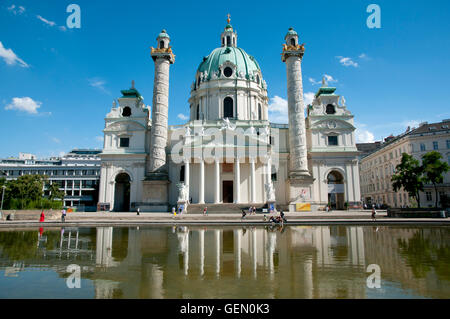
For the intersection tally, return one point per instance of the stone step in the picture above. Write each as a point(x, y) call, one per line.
point(221, 208)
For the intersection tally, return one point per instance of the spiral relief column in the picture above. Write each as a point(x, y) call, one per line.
point(156, 183)
point(300, 180)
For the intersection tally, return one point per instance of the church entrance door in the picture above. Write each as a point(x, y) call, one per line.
point(227, 191)
point(336, 190)
point(122, 193)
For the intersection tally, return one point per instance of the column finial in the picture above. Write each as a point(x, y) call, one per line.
point(228, 18)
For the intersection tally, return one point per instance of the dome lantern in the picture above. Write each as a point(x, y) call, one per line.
point(228, 36)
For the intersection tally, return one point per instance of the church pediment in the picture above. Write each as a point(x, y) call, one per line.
point(331, 124)
point(123, 126)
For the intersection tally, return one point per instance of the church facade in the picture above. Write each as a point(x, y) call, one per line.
point(229, 154)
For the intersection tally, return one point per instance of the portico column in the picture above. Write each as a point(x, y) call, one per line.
point(201, 196)
point(217, 173)
point(186, 175)
point(237, 181)
point(252, 180)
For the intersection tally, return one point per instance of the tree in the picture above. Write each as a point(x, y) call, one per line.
point(433, 170)
point(55, 192)
point(26, 188)
point(409, 176)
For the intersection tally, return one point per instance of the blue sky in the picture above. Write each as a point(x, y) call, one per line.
point(57, 84)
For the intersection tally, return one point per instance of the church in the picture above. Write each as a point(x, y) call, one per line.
point(229, 155)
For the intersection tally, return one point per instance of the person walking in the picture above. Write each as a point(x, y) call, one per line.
point(205, 211)
point(254, 210)
point(42, 218)
point(63, 215)
point(374, 214)
point(138, 211)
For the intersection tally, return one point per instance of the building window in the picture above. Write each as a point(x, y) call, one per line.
point(292, 41)
point(273, 177)
point(126, 111)
point(228, 107)
point(435, 145)
point(259, 112)
point(228, 41)
point(330, 109)
point(228, 71)
point(448, 144)
point(422, 147)
point(161, 44)
point(182, 173)
point(197, 113)
point(257, 79)
point(124, 142)
point(332, 140)
point(429, 197)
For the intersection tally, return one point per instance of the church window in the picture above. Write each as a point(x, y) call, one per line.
point(124, 142)
point(182, 173)
point(332, 140)
point(228, 107)
point(161, 44)
point(234, 41)
point(257, 79)
point(228, 41)
point(197, 115)
point(259, 112)
point(293, 41)
point(330, 109)
point(126, 111)
point(227, 71)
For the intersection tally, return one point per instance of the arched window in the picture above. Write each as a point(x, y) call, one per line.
point(198, 82)
point(292, 41)
point(234, 41)
point(161, 44)
point(182, 173)
point(330, 109)
point(257, 79)
point(126, 111)
point(197, 115)
point(228, 107)
point(259, 112)
point(228, 41)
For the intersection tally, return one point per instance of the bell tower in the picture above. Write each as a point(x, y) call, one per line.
point(228, 36)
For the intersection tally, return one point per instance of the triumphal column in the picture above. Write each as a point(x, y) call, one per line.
point(300, 179)
point(155, 194)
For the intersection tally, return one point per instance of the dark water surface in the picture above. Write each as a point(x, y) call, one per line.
point(225, 262)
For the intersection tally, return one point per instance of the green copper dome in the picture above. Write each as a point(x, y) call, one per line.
point(291, 31)
point(244, 62)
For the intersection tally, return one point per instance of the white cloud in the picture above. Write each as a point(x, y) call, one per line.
point(278, 107)
point(363, 56)
point(10, 57)
point(56, 140)
point(16, 10)
point(50, 23)
point(24, 104)
point(329, 78)
point(314, 82)
point(98, 83)
point(345, 61)
point(363, 135)
point(182, 117)
point(308, 98)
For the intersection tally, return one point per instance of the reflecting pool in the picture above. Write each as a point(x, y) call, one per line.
point(225, 262)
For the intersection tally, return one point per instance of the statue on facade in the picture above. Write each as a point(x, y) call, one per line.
point(226, 124)
point(270, 192)
point(187, 131)
point(251, 131)
point(182, 192)
point(342, 101)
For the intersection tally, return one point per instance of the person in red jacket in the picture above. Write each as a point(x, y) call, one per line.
point(42, 217)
